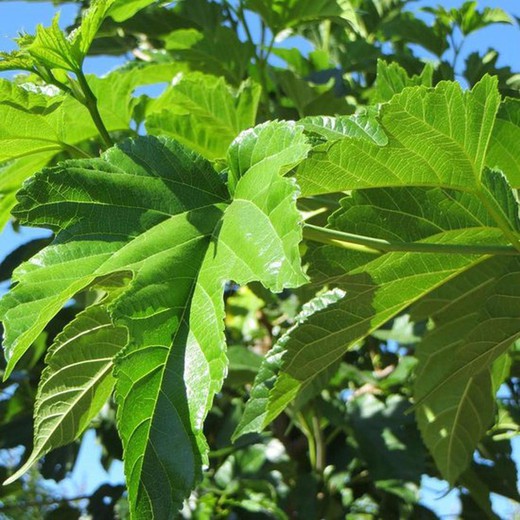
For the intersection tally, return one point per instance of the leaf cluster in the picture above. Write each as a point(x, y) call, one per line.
point(287, 286)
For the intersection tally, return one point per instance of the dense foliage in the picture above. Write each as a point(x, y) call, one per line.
point(344, 218)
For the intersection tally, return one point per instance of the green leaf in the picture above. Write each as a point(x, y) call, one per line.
point(121, 10)
point(36, 120)
point(165, 377)
point(114, 92)
point(288, 13)
point(500, 371)
point(437, 137)
point(392, 79)
point(218, 51)
point(502, 201)
point(398, 215)
point(52, 48)
point(78, 188)
point(37, 123)
point(375, 290)
point(276, 145)
point(470, 19)
point(33, 122)
point(363, 125)
point(476, 321)
point(163, 217)
point(76, 382)
point(204, 113)
point(91, 21)
point(504, 142)
point(12, 176)
point(243, 361)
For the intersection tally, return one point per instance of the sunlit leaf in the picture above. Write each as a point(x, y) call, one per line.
point(204, 113)
point(172, 228)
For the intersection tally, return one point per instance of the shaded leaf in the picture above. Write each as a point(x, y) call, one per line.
point(375, 289)
point(411, 29)
point(476, 319)
point(76, 382)
point(389, 441)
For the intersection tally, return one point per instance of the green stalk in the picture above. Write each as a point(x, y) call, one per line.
point(260, 57)
point(90, 102)
point(309, 434)
point(240, 14)
point(379, 246)
point(502, 223)
point(319, 442)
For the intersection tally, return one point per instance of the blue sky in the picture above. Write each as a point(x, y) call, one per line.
point(16, 16)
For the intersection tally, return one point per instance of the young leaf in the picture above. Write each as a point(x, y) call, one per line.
point(52, 48)
point(16, 60)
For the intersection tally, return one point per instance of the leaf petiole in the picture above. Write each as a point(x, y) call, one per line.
point(90, 103)
point(379, 246)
